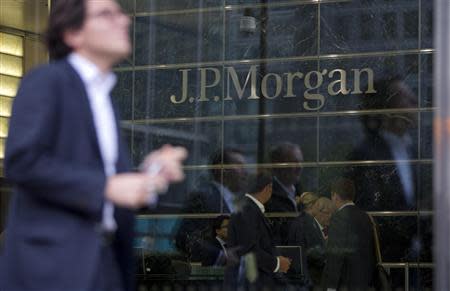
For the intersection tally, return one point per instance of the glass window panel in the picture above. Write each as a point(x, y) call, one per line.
point(171, 6)
point(175, 93)
point(426, 81)
point(11, 44)
point(425, 186)
point(426, 142)
point(5, 106)
point(426, 24)
point(4, 122)
point(201, 139)
point(171, 39)
point(258, 137)
point(9, 85)
point(278, 32)
point(11, 65)
point(370, 137)
point(369, 31)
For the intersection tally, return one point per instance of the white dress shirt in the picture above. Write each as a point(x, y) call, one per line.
point(399, 146)
point(290, 191)
point(228, 196)
point(98, 86)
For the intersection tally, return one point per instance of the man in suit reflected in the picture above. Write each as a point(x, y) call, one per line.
point(310, 231)
point(214, 248)
point(350, 251)
point(250, 238)
point(285, 187)
point(388, 138)
point(220, 194)
point(389, 186)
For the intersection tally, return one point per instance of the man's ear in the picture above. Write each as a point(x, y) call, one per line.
point(73, 38)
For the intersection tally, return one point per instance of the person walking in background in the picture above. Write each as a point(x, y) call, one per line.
point(350, 252)
point(250, 236)
point(70, 224)
point(308, 230)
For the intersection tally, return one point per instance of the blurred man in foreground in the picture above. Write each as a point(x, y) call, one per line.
point(70, 225)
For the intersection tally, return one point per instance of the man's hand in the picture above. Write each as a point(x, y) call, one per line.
point(285, 264)
point(168, 160)
point(133, 190)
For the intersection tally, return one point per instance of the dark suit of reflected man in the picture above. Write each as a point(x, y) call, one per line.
point(70, 225)
point(219, 194)
point(350, 253)
point(309, 230)
point(285, 187)
point(389, 137)
point(214, 249)
point(393, 186)
point(250, 239)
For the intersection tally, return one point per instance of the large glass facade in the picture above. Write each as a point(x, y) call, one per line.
point(306, 90)
point(348, 83)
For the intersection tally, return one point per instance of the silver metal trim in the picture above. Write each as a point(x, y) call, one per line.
point(280, 214)
point(280, 60)
point(235, 7)
point(275, 115)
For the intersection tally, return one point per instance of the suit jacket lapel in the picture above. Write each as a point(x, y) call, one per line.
point(280, 192)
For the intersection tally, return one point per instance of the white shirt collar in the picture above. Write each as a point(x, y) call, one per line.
point(90, 73)
point(345, 205)
point(290, 190)
point(221, 241)
point(259, 204)
point(318, 223)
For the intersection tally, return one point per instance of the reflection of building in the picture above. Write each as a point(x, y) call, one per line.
point(170, 36)
point(383, 36)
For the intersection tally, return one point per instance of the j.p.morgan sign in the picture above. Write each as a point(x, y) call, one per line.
point(252, 85)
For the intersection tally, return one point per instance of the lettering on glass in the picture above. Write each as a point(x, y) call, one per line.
point(250, 85)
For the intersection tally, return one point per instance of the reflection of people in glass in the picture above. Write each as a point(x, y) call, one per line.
point(250, 236)
point(218, 195)
point(350, 251)
point(214, 248)
point(286, 185)
point(286, 181)
point(392, 185)
point(387, 187)
point(309, 230)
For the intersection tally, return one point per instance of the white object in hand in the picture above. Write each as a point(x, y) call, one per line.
point(152, 170)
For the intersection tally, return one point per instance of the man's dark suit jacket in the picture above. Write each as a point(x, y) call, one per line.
point(280, 202)
point(350, 254)
point(378, 188)
point(249, 232)
point(212, 253)
point(53, 239)
point(207, 199)
point(305, 232)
